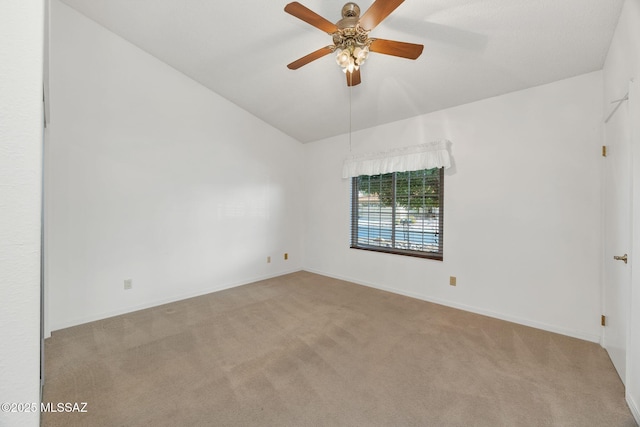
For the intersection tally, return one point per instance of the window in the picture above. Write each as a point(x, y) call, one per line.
point(399, 213)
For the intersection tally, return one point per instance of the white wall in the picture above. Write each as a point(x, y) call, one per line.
point(622, 65)
point(154, 178)
point(522, 208)
point(21, 32)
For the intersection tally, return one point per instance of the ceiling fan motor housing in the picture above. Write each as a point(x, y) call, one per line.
point(350, 16)
point(350, 10)
point(350, 34)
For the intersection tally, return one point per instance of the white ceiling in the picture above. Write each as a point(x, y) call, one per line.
point(473, 49)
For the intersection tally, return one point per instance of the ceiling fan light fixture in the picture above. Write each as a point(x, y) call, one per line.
point(361, 54)
point(349, 58)
point(342, 57)
point(352, 66)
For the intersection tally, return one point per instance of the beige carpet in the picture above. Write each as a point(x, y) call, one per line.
point(307, 350)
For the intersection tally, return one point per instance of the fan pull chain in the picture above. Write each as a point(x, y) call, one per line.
point(350, 89)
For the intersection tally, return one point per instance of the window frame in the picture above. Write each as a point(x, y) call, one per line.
point(437, 256)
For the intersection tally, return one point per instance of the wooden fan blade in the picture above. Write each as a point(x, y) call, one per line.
point(310, 17)
point(310, 57)
point(379, 10)
point(353, 78)
point(401, 49)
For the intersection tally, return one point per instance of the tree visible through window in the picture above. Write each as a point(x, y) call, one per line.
point(399, 212)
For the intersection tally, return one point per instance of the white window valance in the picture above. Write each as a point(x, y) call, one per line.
point(417, 157)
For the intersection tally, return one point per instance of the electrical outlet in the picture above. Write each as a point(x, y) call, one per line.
point(286, 256)
point(452, 280)
point(128, 284)
point(268, 259)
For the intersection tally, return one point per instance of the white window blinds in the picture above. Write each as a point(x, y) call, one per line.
point(417, 157)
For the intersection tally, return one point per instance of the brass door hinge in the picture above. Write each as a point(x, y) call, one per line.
point(604, 151)
point(603, 320)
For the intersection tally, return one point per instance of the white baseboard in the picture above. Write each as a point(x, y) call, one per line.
point(635, 408)
point(161, 301)
point(526, 322)
point(477, 310)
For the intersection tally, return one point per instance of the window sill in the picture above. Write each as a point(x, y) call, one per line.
point(415, 254)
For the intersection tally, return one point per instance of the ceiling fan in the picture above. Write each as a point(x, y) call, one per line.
point(351, 40)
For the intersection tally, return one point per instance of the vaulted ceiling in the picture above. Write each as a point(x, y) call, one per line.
point(473, 49)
